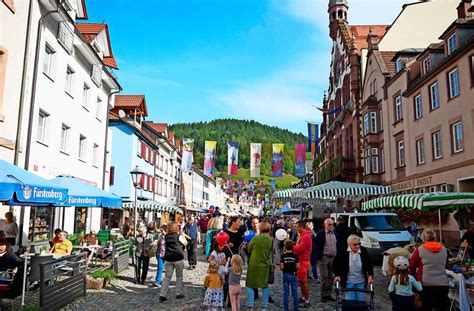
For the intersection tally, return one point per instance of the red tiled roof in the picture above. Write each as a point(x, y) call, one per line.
point(360, 33)
point(389, 64)
point(113, 116)
point(110, 61)
point(131, 102)
point(159, 127)
point(170, 136)
point(90, 31)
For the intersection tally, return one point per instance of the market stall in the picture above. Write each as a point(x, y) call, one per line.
point(155, 207)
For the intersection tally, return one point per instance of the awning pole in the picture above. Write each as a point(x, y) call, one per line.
point(440, 232)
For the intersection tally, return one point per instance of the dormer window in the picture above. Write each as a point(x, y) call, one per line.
point(426, 65)
point(452, 44)
point(398, 64)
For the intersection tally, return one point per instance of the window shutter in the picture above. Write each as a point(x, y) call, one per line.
point(143, 150)
point(153, 157)
point(111, 175)
point(154, 185)
point(142, 181)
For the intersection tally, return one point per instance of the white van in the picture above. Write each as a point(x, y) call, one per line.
point(378, 231)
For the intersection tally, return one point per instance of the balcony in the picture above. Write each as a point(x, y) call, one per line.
point(96, 75)
point(65, 36)
point(337, 168)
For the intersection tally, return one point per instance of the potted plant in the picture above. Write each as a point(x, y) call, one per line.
point(106, 275)
point(95, 281)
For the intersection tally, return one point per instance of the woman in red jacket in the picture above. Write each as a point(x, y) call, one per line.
point(303, 250)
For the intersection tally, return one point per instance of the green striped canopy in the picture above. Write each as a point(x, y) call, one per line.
point(152, 206)
point(422, 201)
point(284, 195)
point(339, 190)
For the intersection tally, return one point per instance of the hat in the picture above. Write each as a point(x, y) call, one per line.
point(401, 263)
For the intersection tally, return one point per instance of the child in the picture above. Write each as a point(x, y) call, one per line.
point(160, 254)
point(218, 255)
point(401, 286)
point(289, 264)
point(235, 271)
point(214, 282)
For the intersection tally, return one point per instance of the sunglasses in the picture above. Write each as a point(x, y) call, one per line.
point(357, 244)
point(330, 224)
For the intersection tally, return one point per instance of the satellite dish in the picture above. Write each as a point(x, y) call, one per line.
point(121, 114)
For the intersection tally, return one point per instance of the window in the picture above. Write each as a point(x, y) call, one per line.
point(139, 148)
point(367, 161)
point(373, 122)
point(162, 159)
point(436, 139)
point(453, 78)
point(96, 75)
point(48, 60)
point(69, 80)
point(42, 126)
point(434, 96)
point(452, 44)
point(401, 153)
point(398, 109)
point(373, 87)
point(420, 151)
point(64, 138)
point(426, 65)
point(432, 189)
point(382, 160)
point(98, 108)
point(85, 95)
point(95, 155)
point(398, 64)
point(82, 147)
point(366, 124)
point(375, 160)
point(418, 107)
point(457, 137)
point(65, 36)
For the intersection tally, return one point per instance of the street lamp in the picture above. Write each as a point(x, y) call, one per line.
point(137, 174)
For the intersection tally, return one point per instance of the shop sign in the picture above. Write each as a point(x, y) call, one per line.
point(412, 184)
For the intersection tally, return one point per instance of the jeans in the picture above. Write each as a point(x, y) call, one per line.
point(170, 266)
point(355, 295)
point(434, 297)
point(141, 265)
point(234, 297)
point(265, 295)
point(290, 283)
point(313, 275)
point(159, 271)
point(192, 249)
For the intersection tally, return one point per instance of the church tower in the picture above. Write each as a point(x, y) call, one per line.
point(337, 12)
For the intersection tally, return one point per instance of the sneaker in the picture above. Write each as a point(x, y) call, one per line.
point(270, 299)
point(306, 304)
point(163, 299)
point(156, 285)
point(180, 296)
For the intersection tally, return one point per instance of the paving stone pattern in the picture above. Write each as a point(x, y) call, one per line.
point(123, 294)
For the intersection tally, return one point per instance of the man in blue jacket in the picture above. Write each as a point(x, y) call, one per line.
point(326, 250)
point(191, 231)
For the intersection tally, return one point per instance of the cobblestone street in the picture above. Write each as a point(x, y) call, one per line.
point(124, 295)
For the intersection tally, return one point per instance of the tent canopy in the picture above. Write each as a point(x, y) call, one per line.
point(422, 201)
point(339, 190)
point(153, 206)
point(284, 195)
point(83, 194)
point(20, 187)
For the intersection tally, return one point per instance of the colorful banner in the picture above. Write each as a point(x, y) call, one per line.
point(232, 158)
point(255, 158)
point(187, 159)
point(277, 166)
point(300, 160)
point(210, 158)
point(313, 138)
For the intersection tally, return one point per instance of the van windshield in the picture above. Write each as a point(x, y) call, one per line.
point(379, 223)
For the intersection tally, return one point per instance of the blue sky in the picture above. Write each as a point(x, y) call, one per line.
point(197, 60)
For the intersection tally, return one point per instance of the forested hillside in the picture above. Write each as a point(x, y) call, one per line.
point(244, 132)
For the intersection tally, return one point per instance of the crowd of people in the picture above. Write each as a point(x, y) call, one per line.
point(254, 247)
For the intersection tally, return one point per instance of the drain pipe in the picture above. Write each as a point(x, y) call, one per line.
point(23, 82)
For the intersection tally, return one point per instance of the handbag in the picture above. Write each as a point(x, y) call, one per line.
point(183, 240)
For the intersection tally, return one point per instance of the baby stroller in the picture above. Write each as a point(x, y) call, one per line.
point(354, 305)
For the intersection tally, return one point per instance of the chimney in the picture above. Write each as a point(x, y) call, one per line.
point(372, 40)
point(464, 9)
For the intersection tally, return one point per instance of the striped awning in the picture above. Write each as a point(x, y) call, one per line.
point(339, 190)
point(422, 201)
point(284, 195)
point(152, 206)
